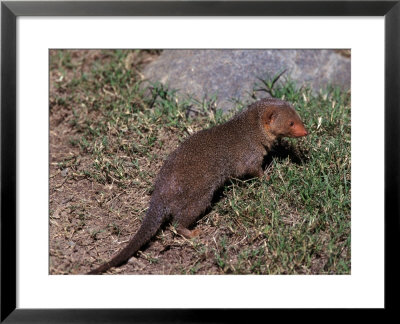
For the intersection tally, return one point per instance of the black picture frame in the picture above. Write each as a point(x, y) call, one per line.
point(9, 13)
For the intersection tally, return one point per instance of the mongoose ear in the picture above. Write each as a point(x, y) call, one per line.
point(270, 116)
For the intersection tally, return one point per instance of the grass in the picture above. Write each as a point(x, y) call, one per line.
point(296, 220)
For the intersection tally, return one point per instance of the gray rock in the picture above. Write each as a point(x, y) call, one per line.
point(231, 74)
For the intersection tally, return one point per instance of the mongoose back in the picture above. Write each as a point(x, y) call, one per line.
point(186, 183)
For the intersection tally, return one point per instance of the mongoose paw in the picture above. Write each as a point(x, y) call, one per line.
point(267, 176)
point(187, 233)
point(260, 174)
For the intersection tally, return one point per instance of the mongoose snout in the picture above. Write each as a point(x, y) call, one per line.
point(191, 174)
point(299, 131)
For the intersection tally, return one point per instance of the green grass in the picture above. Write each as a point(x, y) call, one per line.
point(295, 220)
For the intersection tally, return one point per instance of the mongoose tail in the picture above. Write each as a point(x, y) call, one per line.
point(151, 223)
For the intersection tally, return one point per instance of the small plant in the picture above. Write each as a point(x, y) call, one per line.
point(94, 234)
point(268, 83)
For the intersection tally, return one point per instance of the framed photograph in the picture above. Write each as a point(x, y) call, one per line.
point(110, 114)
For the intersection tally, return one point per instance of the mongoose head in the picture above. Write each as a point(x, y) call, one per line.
point(281, 120)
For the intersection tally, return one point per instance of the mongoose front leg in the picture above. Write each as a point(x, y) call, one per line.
point(259, 173)
point(254, 163)
point(256, 171)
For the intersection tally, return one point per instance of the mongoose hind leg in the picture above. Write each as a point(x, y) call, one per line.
point(187, 217)
point(185, 221)
point(187, 233)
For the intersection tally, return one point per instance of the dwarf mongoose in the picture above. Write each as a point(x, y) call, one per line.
point(186, 183)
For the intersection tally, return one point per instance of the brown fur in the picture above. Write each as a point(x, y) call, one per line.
point(187, 181)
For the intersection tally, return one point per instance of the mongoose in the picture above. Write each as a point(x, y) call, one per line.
point(186, 183)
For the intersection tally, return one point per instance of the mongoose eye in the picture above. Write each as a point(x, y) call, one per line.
point(291, 124)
